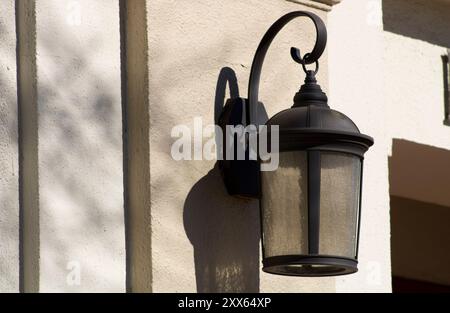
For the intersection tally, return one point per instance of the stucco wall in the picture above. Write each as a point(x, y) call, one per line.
point(80, 146)
point(98, 103)
point(9, 162)
point(202, 239)
point(357, 74)
point(69, 93)
point(417, 35)
point(391, 51)
point(135, 100)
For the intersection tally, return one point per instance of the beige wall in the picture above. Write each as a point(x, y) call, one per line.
point(135, 99)
point(392, 56)
point(357, 73)
point(202, 239)
point(80, 146)
point(71, 191)
point(9, 163)
point(417, 35)
point(196, 195)
point(102, 83)
point(414, 91)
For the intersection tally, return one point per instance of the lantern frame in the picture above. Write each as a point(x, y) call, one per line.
point(314, 141)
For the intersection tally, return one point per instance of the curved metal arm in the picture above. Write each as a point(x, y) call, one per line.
point(255, 73)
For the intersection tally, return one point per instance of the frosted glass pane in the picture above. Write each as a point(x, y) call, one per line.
point(339, 204)
point(284, 205)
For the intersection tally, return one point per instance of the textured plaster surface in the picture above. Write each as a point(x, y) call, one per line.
point(415, 87)
point(385, 71)
point(394, 89)
point(202, 239)
point(417, 35)
point(136, 96)
point(357, 73)
point(82, 235)
point(9, 167)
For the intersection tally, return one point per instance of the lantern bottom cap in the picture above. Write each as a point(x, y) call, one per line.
point(309, 266)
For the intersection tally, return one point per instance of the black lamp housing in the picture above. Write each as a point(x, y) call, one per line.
point(311, 205)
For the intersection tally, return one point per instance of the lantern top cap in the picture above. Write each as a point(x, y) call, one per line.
point(317, 125)
point(310, 114)
point(313, 116)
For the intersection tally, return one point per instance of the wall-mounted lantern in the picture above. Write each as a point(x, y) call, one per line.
point(310, 206)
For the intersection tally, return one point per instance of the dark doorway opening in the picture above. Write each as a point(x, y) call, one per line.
point(419, 177)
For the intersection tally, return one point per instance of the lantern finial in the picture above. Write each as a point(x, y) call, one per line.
point(310, 92)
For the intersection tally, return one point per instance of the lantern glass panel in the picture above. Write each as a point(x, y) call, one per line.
point(284, 206)
point(340, 181)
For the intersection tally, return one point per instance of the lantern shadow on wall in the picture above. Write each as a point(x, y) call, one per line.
point(224, 231)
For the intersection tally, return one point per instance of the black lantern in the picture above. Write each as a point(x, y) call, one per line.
point(310, 206)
